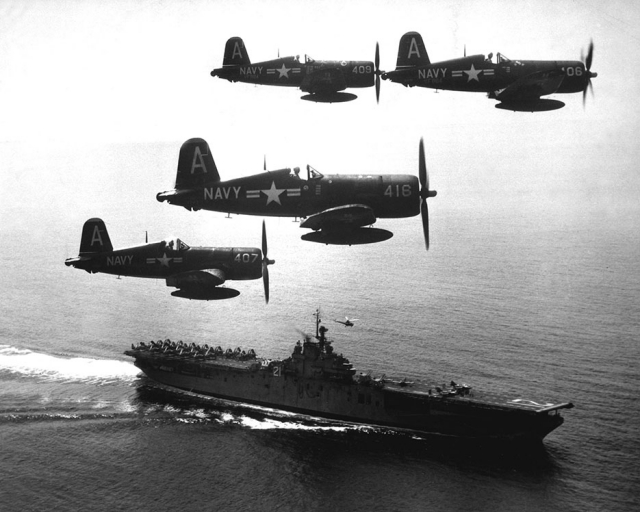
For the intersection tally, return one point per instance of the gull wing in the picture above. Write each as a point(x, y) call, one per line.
point(532, 86)
point(201, 285)
point(325, 80)
point(348, 216)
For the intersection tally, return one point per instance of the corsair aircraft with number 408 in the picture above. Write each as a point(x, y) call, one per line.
point(323, 80)
point(336, 207)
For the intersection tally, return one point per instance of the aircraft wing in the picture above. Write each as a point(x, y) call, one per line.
point(531, 87)
point(349, 216)
point(197, 279)
point(344, 225)
point(324, 80)
point(201, 285)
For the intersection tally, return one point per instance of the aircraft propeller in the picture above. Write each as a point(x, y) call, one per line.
point(590, 75)
point(377, 72)
point(265, 263)
point(424, 193)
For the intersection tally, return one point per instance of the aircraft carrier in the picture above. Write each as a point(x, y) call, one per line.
point(317, 381)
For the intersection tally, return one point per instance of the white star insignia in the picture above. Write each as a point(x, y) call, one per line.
point(273, 193)
point(284, 71)
point(473, 74)
point(164, 261)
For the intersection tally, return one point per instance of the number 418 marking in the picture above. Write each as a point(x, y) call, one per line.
point(245, 257)
point(398, 190)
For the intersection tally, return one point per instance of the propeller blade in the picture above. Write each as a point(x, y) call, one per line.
point(377, 72)
point(265, 263)
point(265, 162)
point(422, 168)
point(425, 222)
point(589, 75)
point(589, 56)
point(265, 280)
point(424, 193)
point(264, 241)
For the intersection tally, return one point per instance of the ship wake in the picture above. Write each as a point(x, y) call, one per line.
point(24, 362)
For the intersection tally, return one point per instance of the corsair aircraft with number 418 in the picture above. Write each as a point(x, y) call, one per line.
point(197, 272)
point(323, 80)
point(337, 207)
point(517, 84)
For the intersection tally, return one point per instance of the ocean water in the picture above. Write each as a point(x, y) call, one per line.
point(541, 304)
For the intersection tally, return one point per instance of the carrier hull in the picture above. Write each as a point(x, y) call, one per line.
point(316, 382)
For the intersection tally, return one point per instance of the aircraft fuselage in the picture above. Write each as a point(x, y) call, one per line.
point(477, 74)
point(159, 261)
point(283, 194)
point(313, 76)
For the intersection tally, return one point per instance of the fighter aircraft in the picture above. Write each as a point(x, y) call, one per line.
point(517, 84)
point(337, 207)
point(322, 79)
point(197, 272)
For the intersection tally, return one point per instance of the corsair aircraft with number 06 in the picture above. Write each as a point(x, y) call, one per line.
point(517, 84)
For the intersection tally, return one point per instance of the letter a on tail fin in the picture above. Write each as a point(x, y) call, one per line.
point(235, 53)
point(94, 238)
point(196, 167)
point(412, 51)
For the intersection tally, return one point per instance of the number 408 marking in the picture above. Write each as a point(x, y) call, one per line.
point(245, 257)
point(398, 190)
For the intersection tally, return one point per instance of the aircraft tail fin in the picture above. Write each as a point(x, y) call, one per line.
point(235, 53)
point(196, 167)
point(95, 238)
point(411, 51)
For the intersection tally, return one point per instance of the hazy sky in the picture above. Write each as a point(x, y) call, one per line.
point(77, 77)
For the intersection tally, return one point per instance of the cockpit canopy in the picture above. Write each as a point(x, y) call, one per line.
point(175, 244)
point(502, 58)
point(307, 59)
point(312, 173)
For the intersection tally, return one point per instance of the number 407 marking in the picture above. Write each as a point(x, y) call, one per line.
point(398, 191)
point(245, 257)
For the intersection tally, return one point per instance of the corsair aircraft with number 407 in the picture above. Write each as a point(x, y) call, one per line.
point(336, 207)
point(323, 80)
point(517, 84)
point(197, 272)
